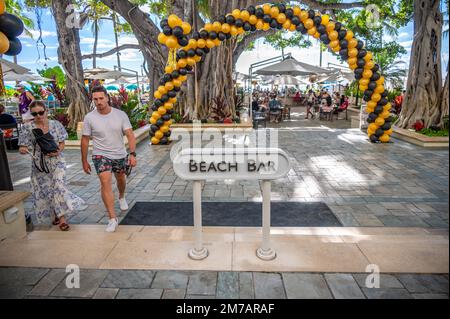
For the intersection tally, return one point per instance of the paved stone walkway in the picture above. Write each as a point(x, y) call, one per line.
point(125, 284)
point(394, 185)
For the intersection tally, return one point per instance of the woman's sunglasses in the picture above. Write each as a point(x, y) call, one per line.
point(41, 113)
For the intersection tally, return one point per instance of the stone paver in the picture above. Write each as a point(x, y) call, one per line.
point(139, 294)
point(425, 283)
point(48, 283)
point(170, 280)
point(106, 293)
point(246, 286)
point(386, 281)
point(374, 293)
point(269, 286)
point(174, 294)
point(344, 286)
point(90, 280)
point(228, 285)
point(306, 286)
point(202, 283)
point(128, 279)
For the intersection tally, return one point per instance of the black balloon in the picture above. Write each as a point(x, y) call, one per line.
point(166, 117)
point(175, 75)
point(295, 21)
point(160, 122)
point(167, 30)
point(204, 34)
point(358, 76)
point(361, 63)
point(337, 26)
point(378, 110)
point(183, 71)
point(167, 134)
point(167, 78)
point(239, 23)
point(322, 29)
point(317, 20)
point(182, 54)
point(383, 101)
point(230, 19)
point(376, 68)
point(178, 32)
point(170, 112)
point(196, 35)
point(154, 128)
point(344, 53)
point(15, 47)
point(207, 50)
point(390, 119)
point(159, 103)
point(359, 71)
point(259, 13)
point(164, 22)
point(301, 28)
point(282, 8)
point(343, 44)
point(375, 77)
point(164, 141)
point(154, 108)
point(247, 26)
point(165, 98)
point(184, 41)
point(213, 35)
point(374, 138)
point(324, 39)
point(267, 18)
point(251, 10)
point(172, 94)
point(362, 53)
point(191, 53)
point(311, 14)
point(222, 19)
point(360, 45)
point(253, 28)
point(229, 36)
point(177, 89)
point(222, 36)
point(274, 24)
point(379, 133)
point(373, 86)
point(199, 52)
point(387, 126)
point(289, 13)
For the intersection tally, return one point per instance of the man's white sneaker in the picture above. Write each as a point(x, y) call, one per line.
point(123, 204)
point(112, 225)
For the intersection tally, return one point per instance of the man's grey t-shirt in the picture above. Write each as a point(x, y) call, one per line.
point(107, 133)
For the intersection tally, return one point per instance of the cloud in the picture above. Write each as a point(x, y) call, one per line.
point(406, 44)
point(90, 40)
point(128, 40)
point(35, 34)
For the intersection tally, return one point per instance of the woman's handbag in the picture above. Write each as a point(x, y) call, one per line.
point(47, 144)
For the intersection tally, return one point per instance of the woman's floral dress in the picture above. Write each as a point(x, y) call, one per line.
point(49, 191)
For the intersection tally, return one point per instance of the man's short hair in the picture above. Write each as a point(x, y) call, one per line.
point(98, 89)
point(2, 108)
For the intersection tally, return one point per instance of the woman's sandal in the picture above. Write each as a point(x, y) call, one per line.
point(64, 227)
point(56, 221)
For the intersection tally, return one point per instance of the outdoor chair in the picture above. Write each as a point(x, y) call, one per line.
point(286, 113)
point(11, 135)
point(343, 108)
point(258, 119)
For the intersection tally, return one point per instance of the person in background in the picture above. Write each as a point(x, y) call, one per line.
point(6, 118)
point(275, 109)
point(311, 97)
point(398, 101)
point(25, 99)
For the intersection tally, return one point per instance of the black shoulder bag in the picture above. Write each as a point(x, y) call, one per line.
point(47, 144)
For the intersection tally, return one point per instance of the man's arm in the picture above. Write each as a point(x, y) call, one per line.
point(84, 152)
point(30, 96)
point(131, 145)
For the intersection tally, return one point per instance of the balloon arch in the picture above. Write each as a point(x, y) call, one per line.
point(187, 49)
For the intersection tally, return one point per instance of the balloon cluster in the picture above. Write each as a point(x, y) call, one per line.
point(277, 16)
point(10, 28)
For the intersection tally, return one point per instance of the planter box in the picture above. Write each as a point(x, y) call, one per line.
point(419, 139)
point(140, 134)
point(221, 127)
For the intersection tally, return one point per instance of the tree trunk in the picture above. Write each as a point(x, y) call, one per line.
point(423, 91)
point(94, 61)
point(444, 101)
point(69, 56)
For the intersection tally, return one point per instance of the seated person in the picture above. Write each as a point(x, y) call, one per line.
point(6, 118)
point(327, 106)
point(275, 109)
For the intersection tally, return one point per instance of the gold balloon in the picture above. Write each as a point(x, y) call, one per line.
point(333, 35)
point(210, 44)
point(168, 105)
point(379, 89)
point(334, 44)
point(304, 16)
point(201, 43)
point(259, 24)
point(385, 138)
point(368, 57)
point(309, 23)
point(186, 27)
point(234, 31)
point(349, 35)
point(225, 28)
point(373, 127)
point(190, 61)
point(325, 19)
point(169, 86)
point(369, 65)
point(266, 8)
point(193, 44)
point(372, 104)
point(353, 66)
point(217, 26)
point(287, 25)
point(293, 28)
point(157, 95)
point(376, 97)
point(367, 74)
point(363, 87)
point(389, 132)
point(182, 63)
point(169, 69)
point(4, 43)
point(385, 114)
point(155, 141)
point(312, 31)
point(380, 121)
point(281, 18)
point(156, 115)
point(353, 43)
point(2, 7)
point(236, 13)
point(153, 120)
point(352, 60)
point(297, 11)
point(159, 135)
point(165, 129)
point(330, 27)
point(197, 58)
point(172, 42)
point(162, 111)
point(274, 12)
point(266, 27)
point(253, 20)
point(162, 38)
point(369, 109)
point(174, 21)
point(162, 90)
point(353, 52)
point(245, 15)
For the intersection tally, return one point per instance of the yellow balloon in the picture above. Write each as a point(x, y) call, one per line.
point(376, 97)
point(353, 52)
point(156, 115)
point(162, 38)
point(217, 42)
point(333, 35)
point(210, 44)
point(217, 26)
point(281, 18)
point(168, 105)
point(201, 43)
point(162, 111)
point(316, 35)
point(174, 21)
point(182, 63)
point(159, 135)
point(353, 66)
point(292, 28)
point(197, 58)
point(304, 16)
point(287, 25)
point(4, 43)
point(2, 7)
point(367, 74)
point(309, 23)
point(330, 27)
point(325, 19)
point(352, 60)
point(380, 121)
point(245, 15)
point(373, 127)
point(297, 11)
point(274, 12)
point(168, 123)
point(169, 86)
point(172, 42)
point(157, 95)
point(266, 8)
point(385, 114)
point(165, 129)
point(155, 141)
point(236, 13)
point(387, 107)
point(173, 100)
point(368, 57)
point(363, 87)
point(349, 35)
point(225, 28)
point(337, 48)
point(190, 61)
point(193, 44)
point(334, 44)
point(153, 120)
point(241, 30)
point(169, 69)
point(186, 27)
point(234, 31)
point(266, 27)
point(381, 80)
point(312, 31)
point(369, 109)
point(369, 65)
point(260, 25)
point(352, 43)
point(379, 89)
point(208, 27)
point(385, 138)
point(253, 19)
point(389, 132)
point(162, 90)
point(372, 104)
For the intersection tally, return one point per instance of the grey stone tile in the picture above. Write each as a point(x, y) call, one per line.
point(21, 276)
point(14, 291)
point(106, 293)
point(344, 286)
point(200, 297)
point(424, 283)
point(174, 294)
point(386, 281)
point(90, 280)
point(374, 293)
point(269, 286)
point(138, 279)
point(306, 286)
point(202, 283)
point(246, 288)
point(170, 280)
point(139, 294)
point(48, 282)
point(228, 285)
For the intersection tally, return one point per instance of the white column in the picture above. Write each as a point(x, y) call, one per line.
point(199, 252)
point(265, 252)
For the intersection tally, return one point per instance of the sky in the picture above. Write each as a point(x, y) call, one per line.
point(32, 56)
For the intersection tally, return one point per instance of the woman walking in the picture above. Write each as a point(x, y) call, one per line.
point(53, 202)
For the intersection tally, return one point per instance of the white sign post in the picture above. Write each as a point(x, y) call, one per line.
point(265, 164)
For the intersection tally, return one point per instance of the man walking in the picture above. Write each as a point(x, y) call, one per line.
point(106, 127)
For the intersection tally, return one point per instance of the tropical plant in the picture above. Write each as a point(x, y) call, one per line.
point(219, 110)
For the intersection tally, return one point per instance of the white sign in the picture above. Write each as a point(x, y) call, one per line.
point(236, 164)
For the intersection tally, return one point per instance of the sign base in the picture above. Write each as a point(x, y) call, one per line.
point(266, 255)
point(195, 254)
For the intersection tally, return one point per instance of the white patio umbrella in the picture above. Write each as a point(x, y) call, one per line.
point(286, 80)
point(120, 81)
point(291, 66)
point(10, 67)
point(110, 75)
point(27, 77)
